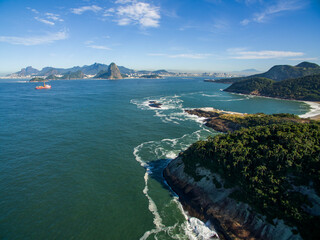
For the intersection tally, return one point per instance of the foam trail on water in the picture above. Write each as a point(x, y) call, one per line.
point(152, 206)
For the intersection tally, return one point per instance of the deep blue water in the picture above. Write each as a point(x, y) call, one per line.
point(73, 159)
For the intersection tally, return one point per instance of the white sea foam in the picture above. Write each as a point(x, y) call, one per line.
point(171, 112)
point(166, 149)
point(171, 155)
point(314, 110)
point(202, 231)
point(152, 206)
point(209, 95)
point(194, 228)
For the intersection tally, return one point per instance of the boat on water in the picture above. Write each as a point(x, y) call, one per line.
point(45, 86)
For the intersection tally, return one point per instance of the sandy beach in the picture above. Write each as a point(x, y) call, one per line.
point(314, 112)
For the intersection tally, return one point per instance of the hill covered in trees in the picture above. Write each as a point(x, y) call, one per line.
point(303, 88)
point(274, 168)
point(280, 72)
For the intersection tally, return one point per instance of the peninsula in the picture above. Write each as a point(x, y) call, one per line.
point(304, 88)
point(279, 73)
point(258, 181)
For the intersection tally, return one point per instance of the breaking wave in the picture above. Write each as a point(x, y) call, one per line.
point(147, 153)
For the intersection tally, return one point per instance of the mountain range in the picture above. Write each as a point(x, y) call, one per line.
point(301, 82)
point(280, 72)
point(93, 69)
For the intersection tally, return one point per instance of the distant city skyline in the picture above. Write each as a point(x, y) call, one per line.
point(180, 35)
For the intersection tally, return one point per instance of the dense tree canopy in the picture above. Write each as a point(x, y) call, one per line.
point(266, 164)
point(304, 88)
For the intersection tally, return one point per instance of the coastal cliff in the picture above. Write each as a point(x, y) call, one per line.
point(231, 219)
point(251, 183)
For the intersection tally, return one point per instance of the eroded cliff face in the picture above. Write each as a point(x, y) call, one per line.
point(231, 219)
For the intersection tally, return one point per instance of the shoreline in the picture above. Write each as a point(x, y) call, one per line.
point(314, 111)
point(229, 219)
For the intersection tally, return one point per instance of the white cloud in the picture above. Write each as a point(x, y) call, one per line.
point(242, 54)
point(304, 59)
point(281, 6)
point(54, 17)
point(109, 12)
point(139, 13)
point(157, 54)
point(192, 56)
point(35, 40)
point(44, 21)
point(32, 10)
point(245, 22)
point(99, 47)
point(182, 55)
point(88, 42)
point(124, 1)
point(79, 11)
point(47, 18)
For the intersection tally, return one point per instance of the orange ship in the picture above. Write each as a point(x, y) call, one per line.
point(44, 86)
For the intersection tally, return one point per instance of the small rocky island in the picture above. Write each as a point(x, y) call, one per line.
point(250, 182)
point(153, 76)
point(37, 79)
point(155, 104)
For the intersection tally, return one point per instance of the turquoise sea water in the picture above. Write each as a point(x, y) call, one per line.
point(84, 159)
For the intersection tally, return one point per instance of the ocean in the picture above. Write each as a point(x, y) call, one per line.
point(84, 159)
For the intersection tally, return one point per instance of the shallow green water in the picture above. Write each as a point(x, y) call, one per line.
point(84, 159)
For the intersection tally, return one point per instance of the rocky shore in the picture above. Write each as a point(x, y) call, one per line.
point(231, 219)
point(214, 119)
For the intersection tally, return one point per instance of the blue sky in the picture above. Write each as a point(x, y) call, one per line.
point(186, 35)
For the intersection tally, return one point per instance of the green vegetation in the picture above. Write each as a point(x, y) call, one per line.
point(266, 164)
point(37, 79)
point(304, 88)
point(150, 76)
point(261, 119)
point(52, 77)
point(280, 72)
point(73, 75)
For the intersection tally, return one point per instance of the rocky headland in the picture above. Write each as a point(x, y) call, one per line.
point(206, 195)
point(227, 121)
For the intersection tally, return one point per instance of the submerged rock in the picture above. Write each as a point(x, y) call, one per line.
point(155, 104)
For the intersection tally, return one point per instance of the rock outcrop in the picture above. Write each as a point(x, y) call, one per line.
point(112, 73)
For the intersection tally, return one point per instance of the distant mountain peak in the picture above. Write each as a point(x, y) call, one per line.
point(112, 73)
point(281, 72)
point(251, 70)
point(26, 71)
point(308, 65)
